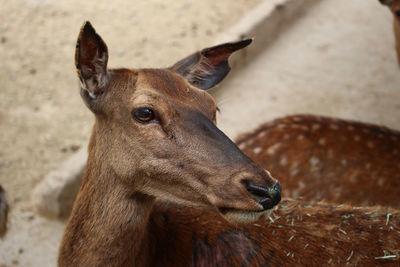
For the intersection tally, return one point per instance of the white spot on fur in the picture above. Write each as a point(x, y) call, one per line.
point(262, 134)
point(315, 126)
point(370, 144)
point(300, 137)
point(296, 118)
point(281, 126)
point(314, 161)
point(294, 169)
point(381, 181)
point(350, 128)
point(242, 146)
point(283, 161)
point(271, 150)
point(257, 150)
point(250, 142)
point(344, 162)
point(301, 185)
point(353, 177)
point(286, 136)
point(357, 138)
point(322, 141)
point(368, 165)
point(334, 126)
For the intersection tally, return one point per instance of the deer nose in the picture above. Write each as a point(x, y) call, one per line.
point(267, 197)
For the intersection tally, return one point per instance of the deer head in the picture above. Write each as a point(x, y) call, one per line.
point(155, 129)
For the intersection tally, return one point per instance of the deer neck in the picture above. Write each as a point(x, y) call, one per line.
point(108, 223)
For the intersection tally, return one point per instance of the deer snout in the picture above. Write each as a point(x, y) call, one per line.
point(266, 196)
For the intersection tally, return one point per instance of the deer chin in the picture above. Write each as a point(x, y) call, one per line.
point(238, 217)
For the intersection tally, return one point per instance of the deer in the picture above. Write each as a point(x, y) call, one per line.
point(322, 158)
point(394, 6)
point(163, 186)
point(3, 212)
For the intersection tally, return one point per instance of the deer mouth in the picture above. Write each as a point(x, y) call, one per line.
point(239, 216)
point(224, 211)
point(265, 199)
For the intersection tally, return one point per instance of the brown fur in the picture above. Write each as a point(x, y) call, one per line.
point(321, 158)
point(296, 234)
point(394, 6)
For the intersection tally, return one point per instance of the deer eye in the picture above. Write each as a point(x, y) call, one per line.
point(398, 13)
point(143, 115)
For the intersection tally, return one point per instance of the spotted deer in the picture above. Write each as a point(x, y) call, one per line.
point(321, 158)
point(394, 6)
point(164, 187)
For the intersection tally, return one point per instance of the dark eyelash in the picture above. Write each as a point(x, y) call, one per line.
point(218, 110)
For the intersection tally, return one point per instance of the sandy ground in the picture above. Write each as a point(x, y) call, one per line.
point(42, 118)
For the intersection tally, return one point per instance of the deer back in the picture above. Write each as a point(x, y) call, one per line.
point(321, 158)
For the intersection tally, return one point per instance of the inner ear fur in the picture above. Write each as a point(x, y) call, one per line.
point(91, 57)
point(208, 67)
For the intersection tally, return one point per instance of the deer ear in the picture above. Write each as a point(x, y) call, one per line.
point(208, 67)
point(386, 2)
point(91, 56)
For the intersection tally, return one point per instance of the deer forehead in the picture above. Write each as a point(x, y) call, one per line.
point(154, 85)
point(144, 97)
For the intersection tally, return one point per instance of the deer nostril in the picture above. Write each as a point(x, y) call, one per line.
point(275, 193)
point(266, 196)
point(277, 188)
